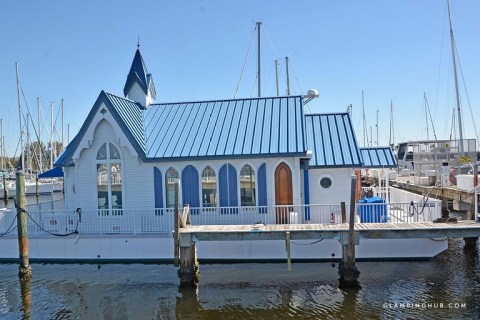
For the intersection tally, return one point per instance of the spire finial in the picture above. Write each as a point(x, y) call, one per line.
point(138, 43)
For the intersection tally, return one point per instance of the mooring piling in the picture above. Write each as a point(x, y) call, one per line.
point(5, 191)
point(287, 245)
point(26, 297)
point(189, 268)
point(25, 270)
point(347, 270)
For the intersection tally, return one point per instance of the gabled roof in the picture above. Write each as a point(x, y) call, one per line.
point(225, 128)
point(332, 140)
point(258, 127)
point(378, 157)
point(127, 114)
point(138, 73)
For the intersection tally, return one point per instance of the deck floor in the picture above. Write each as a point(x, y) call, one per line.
point(332, 231)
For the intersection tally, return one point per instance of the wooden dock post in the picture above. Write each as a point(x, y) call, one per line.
point(25, 270)
point(189, 268)
point(5, 191)
point(176, 235)
point(344, 212)
point(26, 297)
point(188, 272)
point(347, 270)
point(289, 257)
point(470, 243)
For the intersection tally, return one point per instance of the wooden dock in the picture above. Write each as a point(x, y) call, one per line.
point(441, 193)
point(348, 235)
point(330, 231)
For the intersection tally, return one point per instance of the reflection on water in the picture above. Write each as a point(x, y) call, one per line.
point(447, 286)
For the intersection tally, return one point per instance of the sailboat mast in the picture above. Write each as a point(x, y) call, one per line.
point(288, 76)
point(259, 73)
point(391, 138)
point(364, 123)
point(63, 142)
point(40, 151)
point(457, 94)
point(22, 161)
point(51, 135)
point(426, 111)
point(276, 76)
point(376, 125)
point(29, 156)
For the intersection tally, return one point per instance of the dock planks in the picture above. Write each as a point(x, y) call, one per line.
point(332, 231)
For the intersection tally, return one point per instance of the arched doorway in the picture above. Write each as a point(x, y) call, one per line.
point(283, 193)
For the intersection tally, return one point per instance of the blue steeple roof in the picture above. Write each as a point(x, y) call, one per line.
point(138, 73)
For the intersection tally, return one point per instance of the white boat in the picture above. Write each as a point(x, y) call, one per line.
point(11, 189)
point(120, 192)
point(99, 235)
point(43, 188)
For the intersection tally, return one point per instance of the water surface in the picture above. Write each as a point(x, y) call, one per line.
point(447, 286)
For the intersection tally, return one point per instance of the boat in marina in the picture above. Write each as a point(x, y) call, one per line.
point(253, 161)
point(11, 189)
point(34, 188)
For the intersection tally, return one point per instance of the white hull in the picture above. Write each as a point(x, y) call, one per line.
point(43, 188)
point(155, 248)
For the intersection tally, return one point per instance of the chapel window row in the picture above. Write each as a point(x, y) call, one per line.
point(210, 189)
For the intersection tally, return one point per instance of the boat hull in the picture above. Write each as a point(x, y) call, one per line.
point(43, 188)
point(119, 248)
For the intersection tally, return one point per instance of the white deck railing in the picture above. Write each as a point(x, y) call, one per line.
point(148, 221)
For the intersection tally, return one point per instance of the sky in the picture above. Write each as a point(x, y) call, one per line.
point(391, 51)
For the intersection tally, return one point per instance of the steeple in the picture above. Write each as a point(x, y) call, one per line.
point(139, 86)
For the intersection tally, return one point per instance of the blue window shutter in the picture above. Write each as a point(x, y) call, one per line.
point(223, 186)
point(190, 193)
point(157, 188)
point(262, 187)
point(232, 186)
point(227, 180)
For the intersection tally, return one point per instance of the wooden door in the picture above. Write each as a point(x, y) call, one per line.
point(283, 192)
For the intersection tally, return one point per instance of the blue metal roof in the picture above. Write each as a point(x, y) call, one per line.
point(378, 157)
point(52, 173)
point(332, 140)
point(138, 73)
point(223, 128)
point(132, 119)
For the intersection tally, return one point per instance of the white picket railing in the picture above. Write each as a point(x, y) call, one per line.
point(147, 221)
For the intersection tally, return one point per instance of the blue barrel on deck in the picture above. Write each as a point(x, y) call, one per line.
point(374, 211)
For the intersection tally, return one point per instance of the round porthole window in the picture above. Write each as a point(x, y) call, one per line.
point(326, 182)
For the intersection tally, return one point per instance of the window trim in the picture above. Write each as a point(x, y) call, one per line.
point(108, 162)
point(216, 187)
point(329, 176)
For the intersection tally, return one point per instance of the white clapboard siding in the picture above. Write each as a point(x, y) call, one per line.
point(337, 193)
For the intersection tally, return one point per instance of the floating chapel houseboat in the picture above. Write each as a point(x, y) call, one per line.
point(238, 161)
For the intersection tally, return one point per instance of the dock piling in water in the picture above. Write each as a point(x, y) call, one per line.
point(5, 191)
point(287, 245)
point(347, 270)
point(189, 268)
point(25, 270)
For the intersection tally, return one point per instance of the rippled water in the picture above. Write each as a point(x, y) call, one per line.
point(447, 286)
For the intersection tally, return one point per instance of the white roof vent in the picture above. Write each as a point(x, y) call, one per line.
point(311, 94)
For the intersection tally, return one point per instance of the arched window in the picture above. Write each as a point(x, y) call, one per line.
point(209, 188)
point(172, 178)
point(109, 179)
point(247, 186)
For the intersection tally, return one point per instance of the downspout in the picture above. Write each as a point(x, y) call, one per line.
point(306, 185)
